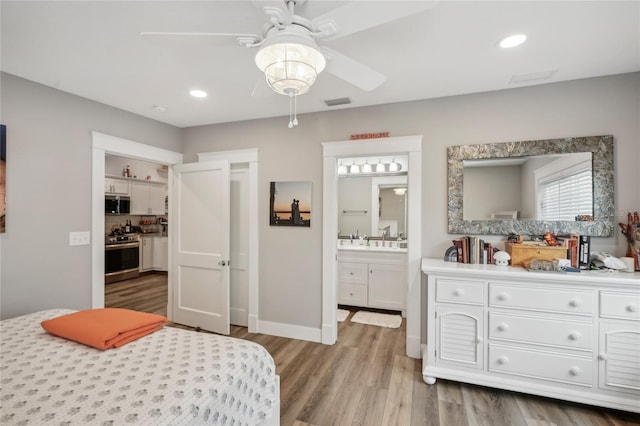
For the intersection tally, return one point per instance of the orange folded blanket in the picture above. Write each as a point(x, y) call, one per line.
point(104, 328)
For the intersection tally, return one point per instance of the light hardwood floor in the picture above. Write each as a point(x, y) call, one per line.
point(365, 379)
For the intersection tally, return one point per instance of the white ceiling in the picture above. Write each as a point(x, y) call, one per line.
point(95, 50)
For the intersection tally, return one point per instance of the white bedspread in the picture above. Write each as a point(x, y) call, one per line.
point(170, 377)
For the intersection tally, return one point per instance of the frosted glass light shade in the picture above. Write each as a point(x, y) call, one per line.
point(394, 167)
point(354, 169)
point(342, 169)
point(366, 168)
point(290, 68)
point(380, 168)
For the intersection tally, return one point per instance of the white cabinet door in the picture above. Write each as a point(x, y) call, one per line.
point(139, 198)
point(387, 286)
point(459, 331)
point(146, 246)
point(200, 248)
point(619, 356)
point(160, 253)
point(116, 186)
point(148, 198)
point(156, 199)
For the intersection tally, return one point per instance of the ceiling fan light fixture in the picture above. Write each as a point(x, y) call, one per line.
point(290, 68)
point(400, 191)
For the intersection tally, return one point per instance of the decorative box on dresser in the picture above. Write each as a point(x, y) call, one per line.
point(572, 336)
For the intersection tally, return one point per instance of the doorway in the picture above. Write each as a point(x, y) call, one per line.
point(248, 159)
point(332, 151)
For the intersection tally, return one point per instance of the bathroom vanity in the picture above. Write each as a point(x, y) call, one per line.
point(372, 276)
point(573, 336)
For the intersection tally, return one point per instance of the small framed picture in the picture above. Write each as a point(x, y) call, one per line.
point(290, 204)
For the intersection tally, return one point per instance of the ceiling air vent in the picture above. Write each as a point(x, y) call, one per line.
point(338, 101)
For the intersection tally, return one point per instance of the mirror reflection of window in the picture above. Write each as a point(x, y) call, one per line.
point(547, 187)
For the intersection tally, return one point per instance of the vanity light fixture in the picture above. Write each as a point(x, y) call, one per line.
point(394, 167)
point(400, 191)
point(366, 168)
point(342, 169)
point(380, 168)
point(354, 169)
point(512, 41)
point(196, 93)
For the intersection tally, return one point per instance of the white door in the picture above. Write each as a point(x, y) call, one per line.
point(200, 218)
point(239, 247)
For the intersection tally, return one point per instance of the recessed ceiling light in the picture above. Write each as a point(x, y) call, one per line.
point(160, 108)
point(198, 93)
point(512, 41)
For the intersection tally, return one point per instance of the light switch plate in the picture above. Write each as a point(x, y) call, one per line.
point(79, 238)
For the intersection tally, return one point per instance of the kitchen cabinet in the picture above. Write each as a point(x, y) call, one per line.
point(375, 279)
point(160, 260)
point(146, 253)
point(154, 253)
point(147, 198)
point(115, 186)
point(567, 336)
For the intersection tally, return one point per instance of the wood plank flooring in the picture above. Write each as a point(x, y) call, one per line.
point(365, 379)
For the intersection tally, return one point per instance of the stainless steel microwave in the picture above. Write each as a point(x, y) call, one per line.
point(117, 204)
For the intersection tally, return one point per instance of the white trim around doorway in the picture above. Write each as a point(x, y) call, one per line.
point(106, 144)
point(332, 151)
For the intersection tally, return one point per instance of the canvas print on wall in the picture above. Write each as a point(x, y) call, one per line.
point(3, 176)
point(290, 204)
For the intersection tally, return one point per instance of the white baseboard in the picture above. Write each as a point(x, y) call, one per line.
point(289, 331)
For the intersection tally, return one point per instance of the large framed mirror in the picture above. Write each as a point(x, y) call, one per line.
point(532, 187)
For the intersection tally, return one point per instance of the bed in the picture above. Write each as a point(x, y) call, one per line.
point(169, 377)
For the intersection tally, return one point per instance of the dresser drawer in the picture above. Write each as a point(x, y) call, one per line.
point(459, 291)
point(541, 299)
point(541, 365)
point(352, 294)
point(543, 331)
point(620, 305)
point(351, 272)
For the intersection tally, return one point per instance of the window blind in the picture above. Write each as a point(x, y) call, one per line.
point(564, 197)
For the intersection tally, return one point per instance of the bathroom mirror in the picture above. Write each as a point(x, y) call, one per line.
point(522, 216)
point(373, 203)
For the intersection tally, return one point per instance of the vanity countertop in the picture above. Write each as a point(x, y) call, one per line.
point(347, 246)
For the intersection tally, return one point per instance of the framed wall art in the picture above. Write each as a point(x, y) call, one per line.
point(290, 204)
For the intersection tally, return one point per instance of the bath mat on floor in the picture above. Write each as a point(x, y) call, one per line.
point(342, 314)
point(374, 318)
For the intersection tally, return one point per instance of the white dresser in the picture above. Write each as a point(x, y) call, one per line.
point(573, 336)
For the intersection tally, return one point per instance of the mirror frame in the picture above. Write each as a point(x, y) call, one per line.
point(601, 148)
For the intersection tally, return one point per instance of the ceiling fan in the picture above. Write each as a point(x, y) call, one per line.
point(289, 54)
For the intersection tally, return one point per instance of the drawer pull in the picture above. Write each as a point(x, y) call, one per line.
point(458, 292)
point(574, 336)
point(574, 303)
point(351, 273)
point(503, 360)
point(503, 327)
point(574, 371)
point(478, 340)
point(602, 356)
point(503, 297)
point(632, 308)
point(350, 294)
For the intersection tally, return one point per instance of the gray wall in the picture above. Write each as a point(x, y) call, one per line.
point(49, 191)
point(290, 287)
point(49, 150)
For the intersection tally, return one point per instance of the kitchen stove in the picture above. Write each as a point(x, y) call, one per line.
point(122, 257)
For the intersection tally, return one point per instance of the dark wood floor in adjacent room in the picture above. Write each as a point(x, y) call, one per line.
point(365, 379)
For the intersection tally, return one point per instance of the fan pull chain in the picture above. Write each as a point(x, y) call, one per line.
point(293, 113)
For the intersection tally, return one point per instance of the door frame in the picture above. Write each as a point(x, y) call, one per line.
point(250, 157)
point(332, 151)
point(103, 144)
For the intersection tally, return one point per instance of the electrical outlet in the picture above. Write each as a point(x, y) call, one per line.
point(79, 238)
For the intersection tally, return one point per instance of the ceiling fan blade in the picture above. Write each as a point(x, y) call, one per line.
point(359, 16)
point(352, 71)
point(243, 39)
